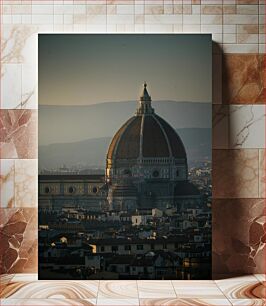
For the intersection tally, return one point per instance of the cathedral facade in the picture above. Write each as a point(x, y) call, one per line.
point(146, 167)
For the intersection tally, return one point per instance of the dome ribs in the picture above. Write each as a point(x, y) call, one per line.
point(129, 144)
point(177, 146)
point(154, 142)
point(113, 145)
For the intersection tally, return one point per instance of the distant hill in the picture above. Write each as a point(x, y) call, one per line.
point(66, 124)
point(92, 152)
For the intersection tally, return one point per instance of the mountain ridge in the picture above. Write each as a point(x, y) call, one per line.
point(62, 124)
point(197, 142)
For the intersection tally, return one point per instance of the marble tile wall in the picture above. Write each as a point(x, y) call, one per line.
point(238, 29)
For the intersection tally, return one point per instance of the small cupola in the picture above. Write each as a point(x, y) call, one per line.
point(145, 102)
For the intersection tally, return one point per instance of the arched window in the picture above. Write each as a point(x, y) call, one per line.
point(71, 189)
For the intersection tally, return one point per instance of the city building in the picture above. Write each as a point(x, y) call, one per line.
point(146, 167)
point(143, 219)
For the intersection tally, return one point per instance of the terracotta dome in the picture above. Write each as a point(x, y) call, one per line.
point(146, 135)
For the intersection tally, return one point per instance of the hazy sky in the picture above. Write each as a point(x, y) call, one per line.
point(84, 69)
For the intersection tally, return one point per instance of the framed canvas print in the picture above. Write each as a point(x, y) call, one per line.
point(125, 156)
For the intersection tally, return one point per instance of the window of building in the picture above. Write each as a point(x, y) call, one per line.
point(71, 189)
point(127, 172)
point(95, 189)
point(177, 172)
point(127, 247)
point(139, 247)
point(47, 189)
point(164, 246)
point(152, 246)
point(114, 248)
point(102, 249)
point(155, 173)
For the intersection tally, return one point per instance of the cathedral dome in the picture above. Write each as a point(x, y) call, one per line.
point(146, 135)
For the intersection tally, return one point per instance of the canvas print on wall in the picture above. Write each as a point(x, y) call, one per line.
point(125, 156)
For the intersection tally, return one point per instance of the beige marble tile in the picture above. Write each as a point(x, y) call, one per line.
point(178, 9)
point(210, 28)
point(248, 29)
point(154, 289)
point(260, 277)
point(195, 9)
point(187, 9)
point(119, 19)
point(29, 86)
point(216, 2)
point(262, 8)
point(216, 78)
point(42, 19)
point(96, 9)
point(159, 28)
point(242, 287)
point(191, 19)
point(43, 9)
point(229, 38)
point(229, 8)
point(247, 38)
point(197, 289)
point(211, 19)
point(168, 9)
point(240, 48)
point(163, 19)
point(184, 302)
point(240, 19)
point(191, 28)
point(248, 302)
point(26, 178)
point(5, 279)
point(117, 302)
point(262, 49)
point(248, 9)
point(18, 130)
point(25, 277)
point(16, 44)
point(247, 1)
point(79, 8)
point(51, 290)
point(211, 9)
point(220, 125)
point(118, 289)
point(243, 77)
point(125, 9)
point(247, 126)
point(48, 302)
point(10, 85)
point(229, 28)
point(125, 28)
point(262, 172)
point(235, 173)
point(153, 9)
point(7, 182)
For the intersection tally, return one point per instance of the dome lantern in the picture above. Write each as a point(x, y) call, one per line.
point(145, 102)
